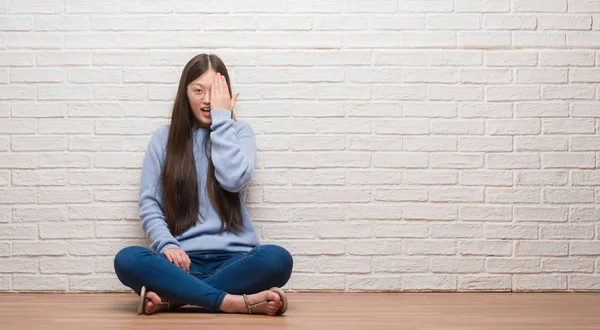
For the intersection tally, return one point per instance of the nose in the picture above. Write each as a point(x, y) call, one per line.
point(206, 98)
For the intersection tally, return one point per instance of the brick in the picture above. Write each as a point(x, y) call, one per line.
point(451, 57)
point(39, 283)
point(510, 58)
point(64, 160)
point(400, 160)
point(373, 177)
point(317, 213)
point(561, 58)
point(484, 110)
point(570, 265)
point(584, 282)
point(541, 213)
point(397, 195)
point(315, 247)
point(422, 39)
point(18, 266)
point(455, 93)
point(38, 143)
point(570, 92)
point(430, 177)
point(541, 178)
point(520, 160)
point(120, 230)
point(316, 282)
point(584, 214)
point(18, 196)
point(565, 22)
point(66, 230)
point(39, 178)
point(400, 230)
point(344, 265)
point(457, 265)
point(565, 232)
point(485, 213)
point(396, 22)
point(488, 178)
point(485, 144)
point(532, 6)
point(354, 229)
point(375, 283)
point(373, 211)
point(400, 265)
point(541, 143)
point(456, 231)
point(541, 248)
point(484, 39)
point(486, 247)
point(542, 109)
point(374, 247)
point(584, 110)
point(374, 143)
point(584, 248)
point(564, 160)
point(513, 266)
point(484, 283)
point(96, 283)
point(455, 161)
point(509, 22)
point(417, 6)
point(39, 75)
point(568, 195)
point(64, 57)
point(48, 248)
point(456, 194)
point(118, 160)
point(429, 283)
point(508, 232)
point(67, 265)
point(18, 126)
point(429, 247)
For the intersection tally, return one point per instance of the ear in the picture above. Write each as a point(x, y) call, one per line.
point(234, 100)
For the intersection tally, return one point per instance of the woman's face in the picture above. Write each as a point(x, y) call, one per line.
point(198, 92)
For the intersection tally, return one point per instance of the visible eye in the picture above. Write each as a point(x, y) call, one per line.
point(197, 90)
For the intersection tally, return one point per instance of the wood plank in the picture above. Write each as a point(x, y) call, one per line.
point(329, 311)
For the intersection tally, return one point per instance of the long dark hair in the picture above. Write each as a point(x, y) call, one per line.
point(178, 175)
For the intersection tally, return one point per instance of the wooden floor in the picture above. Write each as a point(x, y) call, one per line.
point(316, 311)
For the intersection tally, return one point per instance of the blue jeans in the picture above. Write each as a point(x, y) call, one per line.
point(212, 275)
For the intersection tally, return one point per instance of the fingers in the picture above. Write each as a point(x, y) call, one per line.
point(213, 89)
point(188, 262)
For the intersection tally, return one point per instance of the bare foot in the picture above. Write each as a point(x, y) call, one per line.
point(236, 304)
point(153, 304)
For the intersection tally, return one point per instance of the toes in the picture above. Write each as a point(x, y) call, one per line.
point(273, 296)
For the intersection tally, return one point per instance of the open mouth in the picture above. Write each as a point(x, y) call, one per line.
point(205, 110)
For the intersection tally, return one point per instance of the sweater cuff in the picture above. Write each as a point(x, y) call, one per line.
point(169, 246)
point(219, 116)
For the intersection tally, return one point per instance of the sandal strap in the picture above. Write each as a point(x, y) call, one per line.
point(260, 303)
point(247, 304)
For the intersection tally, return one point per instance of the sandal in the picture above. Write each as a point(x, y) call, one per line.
point(143, 299)
point(280, 311)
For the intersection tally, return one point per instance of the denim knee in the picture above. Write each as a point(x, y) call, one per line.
point(281, 261)
point(123, 259)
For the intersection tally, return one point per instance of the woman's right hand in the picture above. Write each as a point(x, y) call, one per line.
point(179, 258)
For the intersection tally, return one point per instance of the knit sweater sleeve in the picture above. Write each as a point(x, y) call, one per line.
point(233, 150)
point(151, 203)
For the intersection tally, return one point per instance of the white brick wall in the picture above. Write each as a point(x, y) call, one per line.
point(403, 145)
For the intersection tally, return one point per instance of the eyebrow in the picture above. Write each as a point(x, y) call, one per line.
point(197, 84)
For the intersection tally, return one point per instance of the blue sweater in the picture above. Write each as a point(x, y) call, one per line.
point(233, 151)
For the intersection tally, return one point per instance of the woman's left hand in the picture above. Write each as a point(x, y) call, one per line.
point(219, 94)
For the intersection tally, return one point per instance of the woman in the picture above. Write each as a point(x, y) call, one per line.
point(204, 248)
